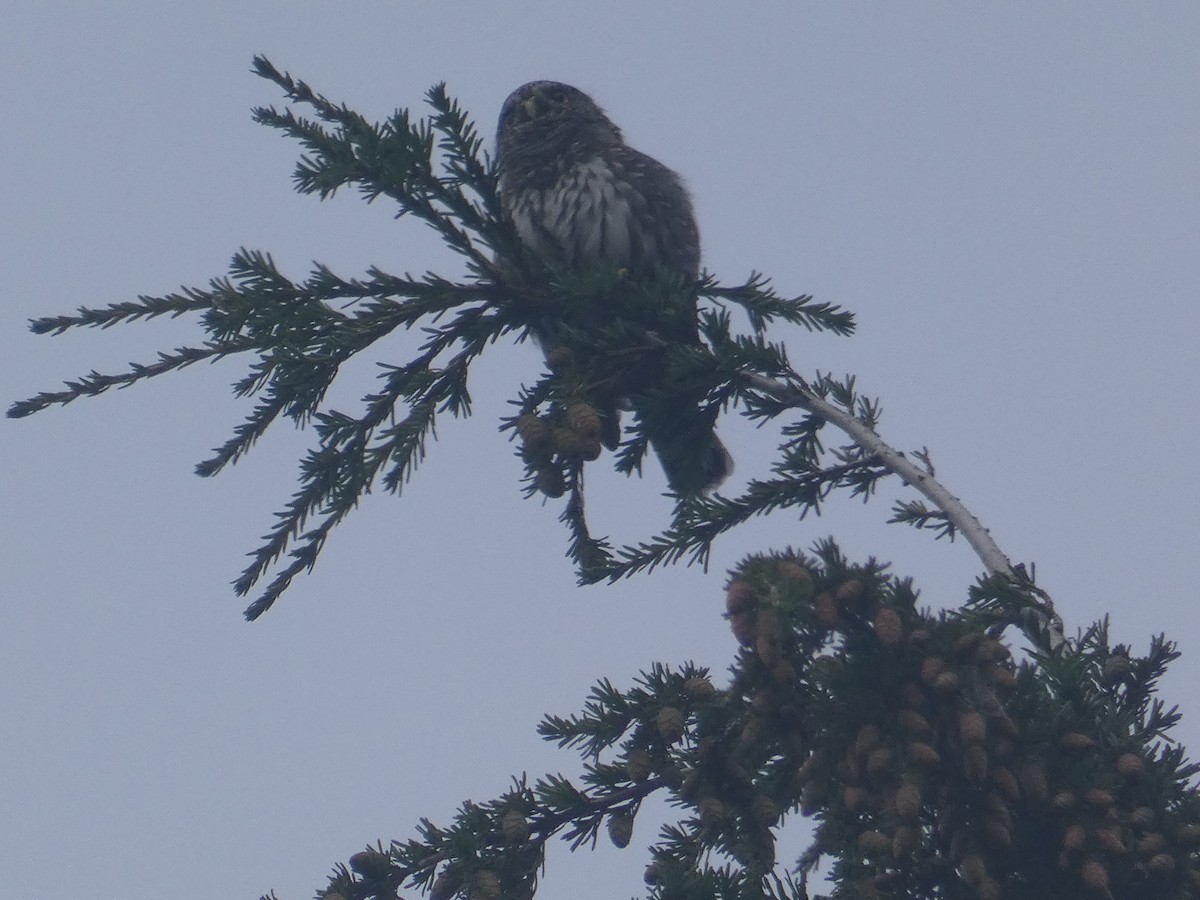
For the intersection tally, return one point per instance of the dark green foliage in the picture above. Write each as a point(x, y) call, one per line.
point(958, 778)
point(297, 335)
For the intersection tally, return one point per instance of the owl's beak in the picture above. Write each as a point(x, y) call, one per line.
point(530, 106)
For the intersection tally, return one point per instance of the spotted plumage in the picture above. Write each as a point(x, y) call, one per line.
point(579, 197)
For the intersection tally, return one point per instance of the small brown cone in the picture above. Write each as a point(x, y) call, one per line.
point(370, 863)
point(975, 763)
point(1117, 667)
point(764, 810)
point(1033, 783)
point(810, 800)
point(1005, 782)
point(568, 442)
point(699, 688)
point(808, 768)
point(514, 827)
point(923, 755)
point(848, 592)
point(751, 730)
point(583, 419)
point(904, 842)
point(1073, 740)
point(653, 872)
point(972, 727)
point(590, 449)
point(913, 696)
point(620, 830)
point(826, 609)
point(534, 433)
point(1142, 817)
point(866, 740)
point(908, 801)
point(742, 626)
point(888, 627)
point(879, 762)
point(484, 885)
point(793, 571)
point(972, 868)
point(914, 722)
point(1151, 844)
point(874, 843)
point(550, 482)
point(670, 724)
point(1001, 677)
point(1098, 797)
point(739, 596)
point(855, 798)
point(1161, 864)
point(559, 359)
point(991, 650)
point(966, 644)
point(1130, 765)
point(998, 809)
point(1064, 800)
point(1189, 834)
point(1074, 838)
point(1109, 839)
point(711, 811)
point(946, 683)
point(1093, 874)
point(768, 637)
point(931, 668)
point(444, 886)
point(637, 765)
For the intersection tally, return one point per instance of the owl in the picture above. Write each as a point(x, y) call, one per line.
point(579, 197)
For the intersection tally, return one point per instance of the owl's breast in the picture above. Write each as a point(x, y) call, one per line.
point(590, 217)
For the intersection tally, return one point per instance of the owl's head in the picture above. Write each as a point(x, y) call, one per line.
point(549, 113)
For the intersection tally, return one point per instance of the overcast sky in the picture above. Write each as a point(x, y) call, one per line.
point(1008, 196)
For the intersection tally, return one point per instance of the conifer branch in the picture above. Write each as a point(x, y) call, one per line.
point(95, 383)
point(435, 170)
point(929, 761)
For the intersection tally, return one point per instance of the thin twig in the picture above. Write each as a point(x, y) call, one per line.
point(921, 478)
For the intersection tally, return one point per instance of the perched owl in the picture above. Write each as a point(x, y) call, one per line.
point(579, 197)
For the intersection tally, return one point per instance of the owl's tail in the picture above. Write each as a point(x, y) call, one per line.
point(683, 436)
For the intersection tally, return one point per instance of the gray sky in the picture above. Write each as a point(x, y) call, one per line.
point(1007, 196)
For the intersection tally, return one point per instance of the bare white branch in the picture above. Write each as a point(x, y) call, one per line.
point(921, 478)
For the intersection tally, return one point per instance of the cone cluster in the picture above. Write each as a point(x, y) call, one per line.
point(566, 434)
point(919, 767)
